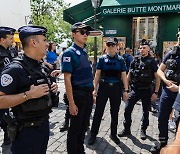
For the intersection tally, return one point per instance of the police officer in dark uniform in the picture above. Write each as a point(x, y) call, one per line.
point(79, 86)
point(111, 68)
point(6, 55)
point(169, 72)
point(27, 90)
point(142, 71)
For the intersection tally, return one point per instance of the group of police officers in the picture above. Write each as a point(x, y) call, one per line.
point(28, 89)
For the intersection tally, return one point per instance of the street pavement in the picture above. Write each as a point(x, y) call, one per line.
point(103, 145)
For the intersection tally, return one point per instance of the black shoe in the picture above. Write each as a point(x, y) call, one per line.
point(143, 135)
point(64, 127)
point(124, 132)
point(115, 139)
point(6, 142)
point(156, 147)
point(92, 140)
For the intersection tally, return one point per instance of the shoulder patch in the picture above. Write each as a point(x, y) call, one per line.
point(66, 59)
point(6, 80)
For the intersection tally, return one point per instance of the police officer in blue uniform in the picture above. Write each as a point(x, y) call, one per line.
point(26, 88)
point(79, 86)
point(142, 71)
point(6, 55)
point(111, 69)
point(169, 72)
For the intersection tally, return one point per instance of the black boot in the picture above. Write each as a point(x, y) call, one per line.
point(65, 126)
point(143, 135)
point(124, 132)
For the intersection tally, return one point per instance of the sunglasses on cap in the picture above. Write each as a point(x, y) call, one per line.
point(82, 32)
point(110, 44)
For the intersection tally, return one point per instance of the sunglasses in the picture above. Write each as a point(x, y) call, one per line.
point(110, 44)
point(82, 32)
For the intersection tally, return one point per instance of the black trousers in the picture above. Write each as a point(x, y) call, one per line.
point(79, 123)
point(136, 95)
point(113, 92)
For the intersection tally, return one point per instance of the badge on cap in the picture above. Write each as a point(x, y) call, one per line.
point(78, 52)
point(6, 80)
point(66, 59)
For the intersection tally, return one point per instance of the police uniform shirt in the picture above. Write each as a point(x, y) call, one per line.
point(114, 63)
point(70, 60)
point(15, 78)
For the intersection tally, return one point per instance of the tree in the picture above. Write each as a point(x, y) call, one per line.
point(49, 13)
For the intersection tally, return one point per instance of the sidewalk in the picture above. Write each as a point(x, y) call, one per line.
point(104, 145)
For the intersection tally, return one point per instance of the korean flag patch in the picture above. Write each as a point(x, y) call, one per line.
point(6, 80)
point(66, 59)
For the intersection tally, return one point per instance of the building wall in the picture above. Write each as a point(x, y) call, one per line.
point(123, 25)
point(14, 12)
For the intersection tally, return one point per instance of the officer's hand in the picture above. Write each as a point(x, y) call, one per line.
point(94, 93)
point(38, 91)
point(54, 87)
point(73, 110)
point(154, 97)
point(55, 73)
point(125, 96)
point(168, 82)
point(173, 87)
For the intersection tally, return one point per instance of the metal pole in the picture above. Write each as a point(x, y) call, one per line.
point(95, 44)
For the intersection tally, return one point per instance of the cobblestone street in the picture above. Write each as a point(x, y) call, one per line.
point(103, 145)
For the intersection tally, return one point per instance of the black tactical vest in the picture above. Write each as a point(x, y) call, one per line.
point(172, 71)
point(5, 57)
point(38, 107)
point(141, 73)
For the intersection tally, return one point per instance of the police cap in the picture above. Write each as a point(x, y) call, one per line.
point(80, 25)
point(7, 30)
point(113, 40)
point(144, 42)
point(27, 31)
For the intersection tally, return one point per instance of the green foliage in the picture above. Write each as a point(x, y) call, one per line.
point(90, 46)
point(49, 13)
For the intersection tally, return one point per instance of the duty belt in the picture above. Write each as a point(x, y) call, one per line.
point(85, 89)
point(102, 81)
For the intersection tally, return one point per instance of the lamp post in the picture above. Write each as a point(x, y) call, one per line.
point(95, 5)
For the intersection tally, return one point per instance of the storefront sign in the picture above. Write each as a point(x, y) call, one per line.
point(141, 9)
point(110, 32)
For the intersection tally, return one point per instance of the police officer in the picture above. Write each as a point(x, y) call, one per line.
point(6, 55)
point(26, 89)
point(111, 69)
point(128, 58)
point(79, 86)
point(142, 71)
point(169, 74)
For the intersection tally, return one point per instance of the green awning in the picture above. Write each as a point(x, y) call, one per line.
point(125, 7)
point(82, 12)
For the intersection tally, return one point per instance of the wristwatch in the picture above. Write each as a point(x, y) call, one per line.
point(156, 93)
point(126, 91)
point(25, 96)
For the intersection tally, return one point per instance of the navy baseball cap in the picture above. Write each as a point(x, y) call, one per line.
point(144, 42)
point(7, 30)
point(80, 25)
point(27, 31)
point(113, 40)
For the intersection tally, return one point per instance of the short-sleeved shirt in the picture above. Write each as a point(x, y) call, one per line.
point(103, 60)
point(51, 57)
point(71, 60)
